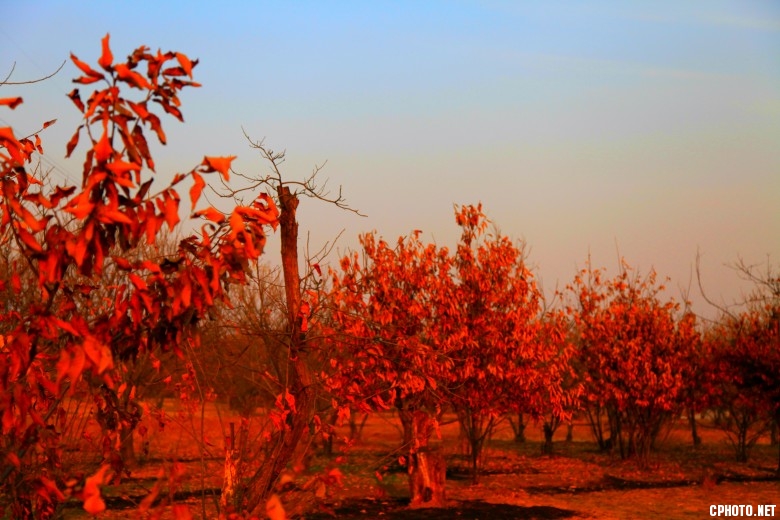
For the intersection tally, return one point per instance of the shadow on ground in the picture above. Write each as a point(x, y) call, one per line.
point(471, 509)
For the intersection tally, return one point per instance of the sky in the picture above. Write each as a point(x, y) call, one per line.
point(643, 130)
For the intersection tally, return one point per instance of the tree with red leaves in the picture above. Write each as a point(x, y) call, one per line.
point(745, 362)
point(506, 355)
point(623, 328)
point(391, 332)
point(421, 329)
point(68, 237)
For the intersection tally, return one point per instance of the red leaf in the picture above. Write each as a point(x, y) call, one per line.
point(197, 188)
point(186, 292)
point(103, 148)
point(265, 203)
point(137, 281)
point(106, 59)
point(120, 167)
point(131, 77)
point(236, 223)
point(140, 109)
point(33, 223)
point(47, 124)
point(114, 217)
point(76, 98)
point(171, 211)
point(11, 102)
point(154, 121)
point(29, 240)
point(218, 164)
point(174, 71)
point(74, 141)
point(86, 80)
point(86, 69)
point(211, 214)
point(185, 63)
point(80, 207)
point(142, 146)
point(16, 283)
point(77, 250)
point(122, 263)
point(260, 213)
point(95, 100)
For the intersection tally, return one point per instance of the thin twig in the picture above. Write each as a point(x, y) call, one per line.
point(31, 81)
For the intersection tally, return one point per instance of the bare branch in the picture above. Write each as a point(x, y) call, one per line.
point(724, 310)
point(307, 187)
point(768, 280)
point(31, 81)
point(10, 73)
point(766, 285)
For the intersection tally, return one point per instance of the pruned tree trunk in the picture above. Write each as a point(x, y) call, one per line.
point(300, 381)
point(227, 500)
point(427, 468)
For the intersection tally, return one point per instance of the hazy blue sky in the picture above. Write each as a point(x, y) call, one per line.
point(648, 128)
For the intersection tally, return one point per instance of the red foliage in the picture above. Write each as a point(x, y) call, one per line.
point(421, 328)
point(744, 363)
point(633, 353)
point(69, 237)
point(386, 308)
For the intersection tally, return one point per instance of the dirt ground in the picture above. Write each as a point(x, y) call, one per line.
point(518, 482)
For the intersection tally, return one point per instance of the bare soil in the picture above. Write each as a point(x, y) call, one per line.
point(577, 481)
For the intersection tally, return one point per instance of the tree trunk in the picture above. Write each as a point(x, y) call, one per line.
point(595, 420)
point(570, 431)
point(327, 443)
point(127, 445)
point(427, 468)
point(406, 417)
point(356, 427)
point(300, 380)
point(694, 431)
point(547, 447)
point(615, 432)
point(518, 428)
